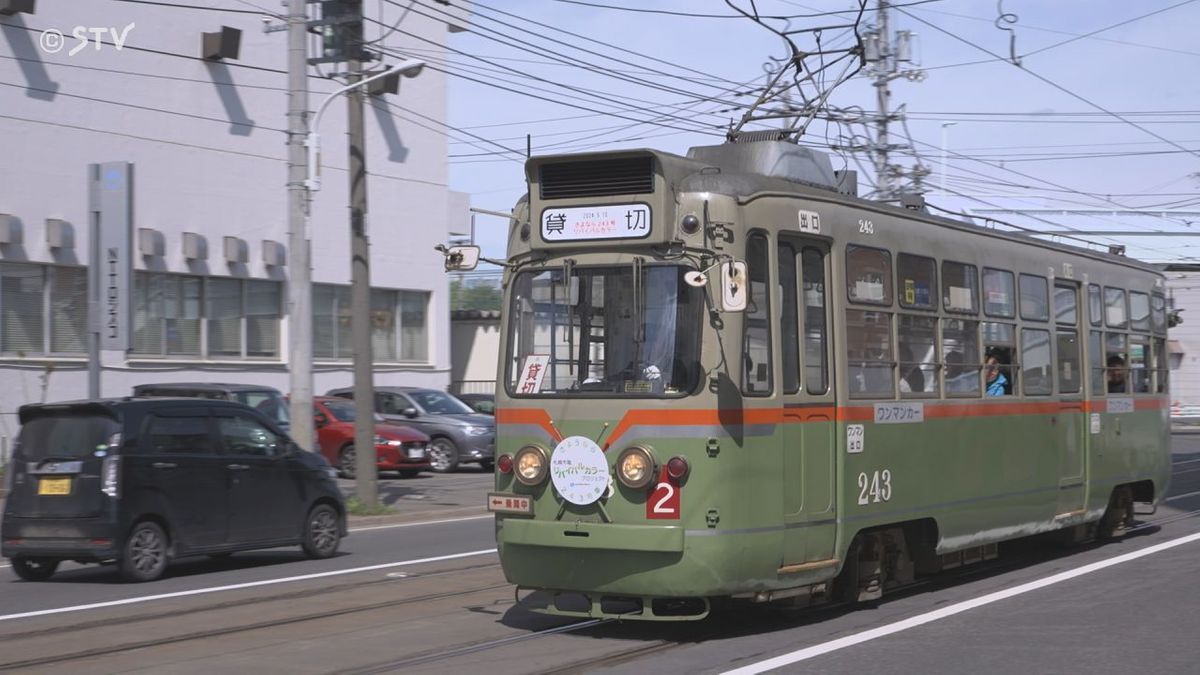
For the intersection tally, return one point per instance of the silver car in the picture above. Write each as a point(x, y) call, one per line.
point(457, 434)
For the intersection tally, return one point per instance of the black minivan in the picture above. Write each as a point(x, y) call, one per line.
point(141, 481)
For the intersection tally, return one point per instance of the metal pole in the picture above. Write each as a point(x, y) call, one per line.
point(360, 298)
point(93, 316)
point(882, 77)
point(300, 345)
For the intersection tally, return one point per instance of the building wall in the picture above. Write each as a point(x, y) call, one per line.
point(1184, 289)
point(475, 350)
point(208, 144)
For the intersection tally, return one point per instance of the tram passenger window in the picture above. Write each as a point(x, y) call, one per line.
point(960, 287)
point(1034, 302)
point(960, 344)
point(999, 293)
point(1095, 305)
point(1069, 374)
point(869, 275)
point(1139, 362)
point(789, 322)
point(1160, 365)
point(918, 356)
point(1115, 315)
point(816, 349)
point(1139, 311)
point(1158, 312)
point(1000, 341)
point(869, 353)
point(1115, 360)
point(917, 281)
point(756, 320)
point(1036, 371)
point(1065, 312)
point(1096, 362)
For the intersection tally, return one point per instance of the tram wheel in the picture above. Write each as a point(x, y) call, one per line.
point(1118, 517)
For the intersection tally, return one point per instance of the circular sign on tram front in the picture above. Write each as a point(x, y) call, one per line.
point(579, 470)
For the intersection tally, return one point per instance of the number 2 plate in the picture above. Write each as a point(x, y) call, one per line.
point(663, 503)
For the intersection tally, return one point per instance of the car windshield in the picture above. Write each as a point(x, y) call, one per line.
point(269, 403)
point(65, 436)
point(439, 403)
point(616, 330)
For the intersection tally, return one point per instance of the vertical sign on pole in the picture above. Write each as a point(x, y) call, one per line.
point(110, 261)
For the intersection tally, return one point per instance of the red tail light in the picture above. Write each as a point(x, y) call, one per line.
point(504, 464)
point(677, 467)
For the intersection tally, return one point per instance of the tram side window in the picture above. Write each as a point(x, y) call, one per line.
point(1036, 371)
point(918, 356)
point(1095, 305)
point(816, 348)
point(869, 353)
point(1139, 363)
point(789, 321)
point(1160, 365)
point(1065, 312)
point(869, 275)
point(1139, 311)
point(960, 287)
point(1158, 312)
point(756, 334)
point(1096, 362)
point(1069, 374)
point(960, 349)
point(1115, 361)
point(917, 281)
point(998, 293)
point(1115, 315)
point(1000, 343)
point(1034, 302)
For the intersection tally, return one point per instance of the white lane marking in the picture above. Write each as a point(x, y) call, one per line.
point(1189, 494)
point(423, 522)
point(1180, 473)
point(234, 587)
point(958, 608)
point(1186, 461)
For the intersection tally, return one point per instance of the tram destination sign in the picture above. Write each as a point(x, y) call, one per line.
point(583, 223)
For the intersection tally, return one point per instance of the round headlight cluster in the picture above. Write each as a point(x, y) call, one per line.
point(530, 465)
point(636, 467)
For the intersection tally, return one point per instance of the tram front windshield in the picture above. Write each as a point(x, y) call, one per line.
point(604, 331)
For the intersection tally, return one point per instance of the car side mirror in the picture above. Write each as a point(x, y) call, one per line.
point(409, 412)
point(734, 282)
point(320, 420)
point(460, 258)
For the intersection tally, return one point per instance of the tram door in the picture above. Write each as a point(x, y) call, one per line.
point(1071, 416)
point(808, 398)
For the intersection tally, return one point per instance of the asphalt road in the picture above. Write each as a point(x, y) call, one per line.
point(429, 597)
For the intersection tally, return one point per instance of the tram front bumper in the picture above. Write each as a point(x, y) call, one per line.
point(610, 536)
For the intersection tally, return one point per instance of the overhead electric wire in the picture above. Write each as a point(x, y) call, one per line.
point(692, 15)
point(176, 5)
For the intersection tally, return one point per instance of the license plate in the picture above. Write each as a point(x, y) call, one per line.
point(416, 453)
point(54, 486)
point(503, 502)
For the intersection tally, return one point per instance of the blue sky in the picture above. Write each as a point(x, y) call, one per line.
point(1037, 128)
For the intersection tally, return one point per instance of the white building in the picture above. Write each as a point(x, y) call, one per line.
point(206, 140)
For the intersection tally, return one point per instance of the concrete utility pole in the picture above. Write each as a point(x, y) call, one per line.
point(884, 61)
point(883, 173)
point(367, 487)
point(300, 379)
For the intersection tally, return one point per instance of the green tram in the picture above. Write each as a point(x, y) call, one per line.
point(722, 376)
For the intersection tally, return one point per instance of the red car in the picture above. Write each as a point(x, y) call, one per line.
point(397, 448)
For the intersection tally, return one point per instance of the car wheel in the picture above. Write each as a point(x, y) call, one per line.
point(145, 554)
point(409, 473)
point(34, 569)
point(443, 455)
point(322, 532)
point(346, 462)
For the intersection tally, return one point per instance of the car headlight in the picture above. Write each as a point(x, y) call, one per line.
point(476, 431)
point(635, 467)
point(531, 465)
point(380, 440)
point(330, 472)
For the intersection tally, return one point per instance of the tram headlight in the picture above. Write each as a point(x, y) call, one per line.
point(530, 465)
point(635, 467)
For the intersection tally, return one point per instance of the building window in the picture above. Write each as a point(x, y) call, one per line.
point(43, 309)
point(215, 317)
point(398, 324)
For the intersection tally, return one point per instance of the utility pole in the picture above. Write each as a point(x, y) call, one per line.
point(367, 487)
point(300, 379)
point(884, 61)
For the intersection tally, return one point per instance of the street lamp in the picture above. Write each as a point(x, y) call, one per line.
point(410, 68)
point(945, 125)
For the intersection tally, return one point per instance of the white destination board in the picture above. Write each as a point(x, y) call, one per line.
point(899, 413)
point(533, 373)
point(1120, 405)
point(581, 223)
